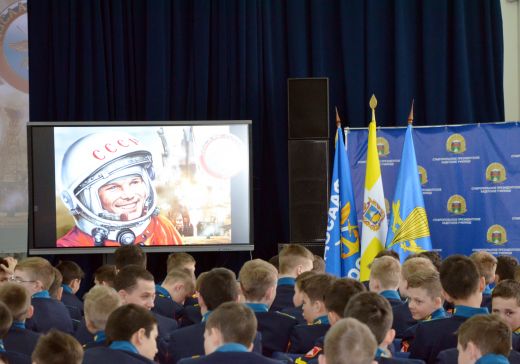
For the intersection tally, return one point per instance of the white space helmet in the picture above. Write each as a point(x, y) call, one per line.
point(90, 163)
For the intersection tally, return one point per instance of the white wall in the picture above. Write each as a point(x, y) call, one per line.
point(511, 23)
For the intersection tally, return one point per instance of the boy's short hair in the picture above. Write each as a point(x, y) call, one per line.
point(506, 266)
point(178, 261)
point(99, 303)
point(427, 279)
point(340, 292)
point(316, 286)
point(517, 273)
point(256, 277)
point(388, 253)
point(293, 255)
point(275, 261)
point(126, 320)
point(129, 255)
point(199, 280)
point(38, 269)
point(433, 256)
point(373, 310)
point(56, 347)
point(127, 277)
point(318, 264)
point(299, 282)
point(387, 271)
point(459, 276)
point(507, 289)
point(56, 283)
point(106, 273)
point(180, 275)
point(350, 341)
point(487, 332)
point(486, 264)
point(16, 298)
point(70, 270)
point(236, 322)
point(415, 264)
point(218, 286)
point(6, 319)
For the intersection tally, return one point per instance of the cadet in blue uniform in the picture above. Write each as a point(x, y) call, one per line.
point(463, 286)
point(506, 304)
point(18, 338)
point(294, 259)
point(425, 300)
point(228, 337)
point(171, 294)
point(486, 265)
point(6, 320)
point(313, 291)
point(336, 299)
point(216, 287)
point(131, 334)
point(57, 347)
point(136, 285)
point(37, 274)
point(72, 276)
point(258, 283)
point(100, 302)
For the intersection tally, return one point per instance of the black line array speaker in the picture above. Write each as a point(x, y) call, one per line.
point(308, 108)
point(308, 189)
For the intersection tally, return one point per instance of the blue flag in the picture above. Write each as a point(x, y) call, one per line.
point(342, 242)
point(408, 232)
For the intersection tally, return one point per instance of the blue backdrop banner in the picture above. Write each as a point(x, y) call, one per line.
point(470, 178)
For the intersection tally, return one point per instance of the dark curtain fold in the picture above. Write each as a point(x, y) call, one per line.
point(230, 59)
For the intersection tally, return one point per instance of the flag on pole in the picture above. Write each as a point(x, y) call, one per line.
point(342, 238)
point(409, 232)
point(375, 222)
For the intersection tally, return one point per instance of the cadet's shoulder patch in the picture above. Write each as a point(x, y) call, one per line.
point(313, 352)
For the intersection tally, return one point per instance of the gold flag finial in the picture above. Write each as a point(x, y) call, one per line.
point(373, 105)
point(338, 120)
point(410, 117)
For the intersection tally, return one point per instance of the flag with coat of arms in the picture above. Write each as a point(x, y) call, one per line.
point(342, 238)
point(409, 232)
point(374, 217)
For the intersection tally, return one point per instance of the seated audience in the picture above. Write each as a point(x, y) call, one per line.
point(171, 294)
point(72, 276)
point(131, 334)
point(486, 265)
point(105, 275)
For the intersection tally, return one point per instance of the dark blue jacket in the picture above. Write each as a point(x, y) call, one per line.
point(450, 356)
point(432, 337)
point(303, 336)
point(167, 307)
point(105, 355)
point(21, 340)
point(17, 358)
point(284, 294)
point(382, 360)
point(190, 315)
point(403, 319)
point(48, 314)
point(219, 357)
point(82, 334)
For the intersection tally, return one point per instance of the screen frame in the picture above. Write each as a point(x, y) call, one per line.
point(149, 249)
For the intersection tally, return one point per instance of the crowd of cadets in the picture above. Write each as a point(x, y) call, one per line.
point(285, 310)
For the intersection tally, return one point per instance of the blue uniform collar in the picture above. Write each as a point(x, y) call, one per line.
point(232, 347)
point(18, 324)
point(205, 316)
point(437, 314)
point(492, 359)
point(380, 353)
point(66, 288)
point(322, 320)
point(100, 337)
point(286, 281)
point(124, 345)
point(2, 347)
point(41, 294)
point(390, 294)
point(487, 290)
point(467, 312)
point(162, 292)
point(257, 307)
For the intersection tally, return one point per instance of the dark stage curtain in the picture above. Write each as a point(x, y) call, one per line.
point(230, 59)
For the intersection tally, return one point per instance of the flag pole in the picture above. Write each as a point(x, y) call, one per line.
point(410, 117)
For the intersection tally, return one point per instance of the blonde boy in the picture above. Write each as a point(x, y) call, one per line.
point(385, 275)
point(486, 265)
point(100, 302)
point(425, 295)
point(409, 267)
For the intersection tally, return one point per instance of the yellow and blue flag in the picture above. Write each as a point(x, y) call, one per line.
point(342, 238)
point(408, 232)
